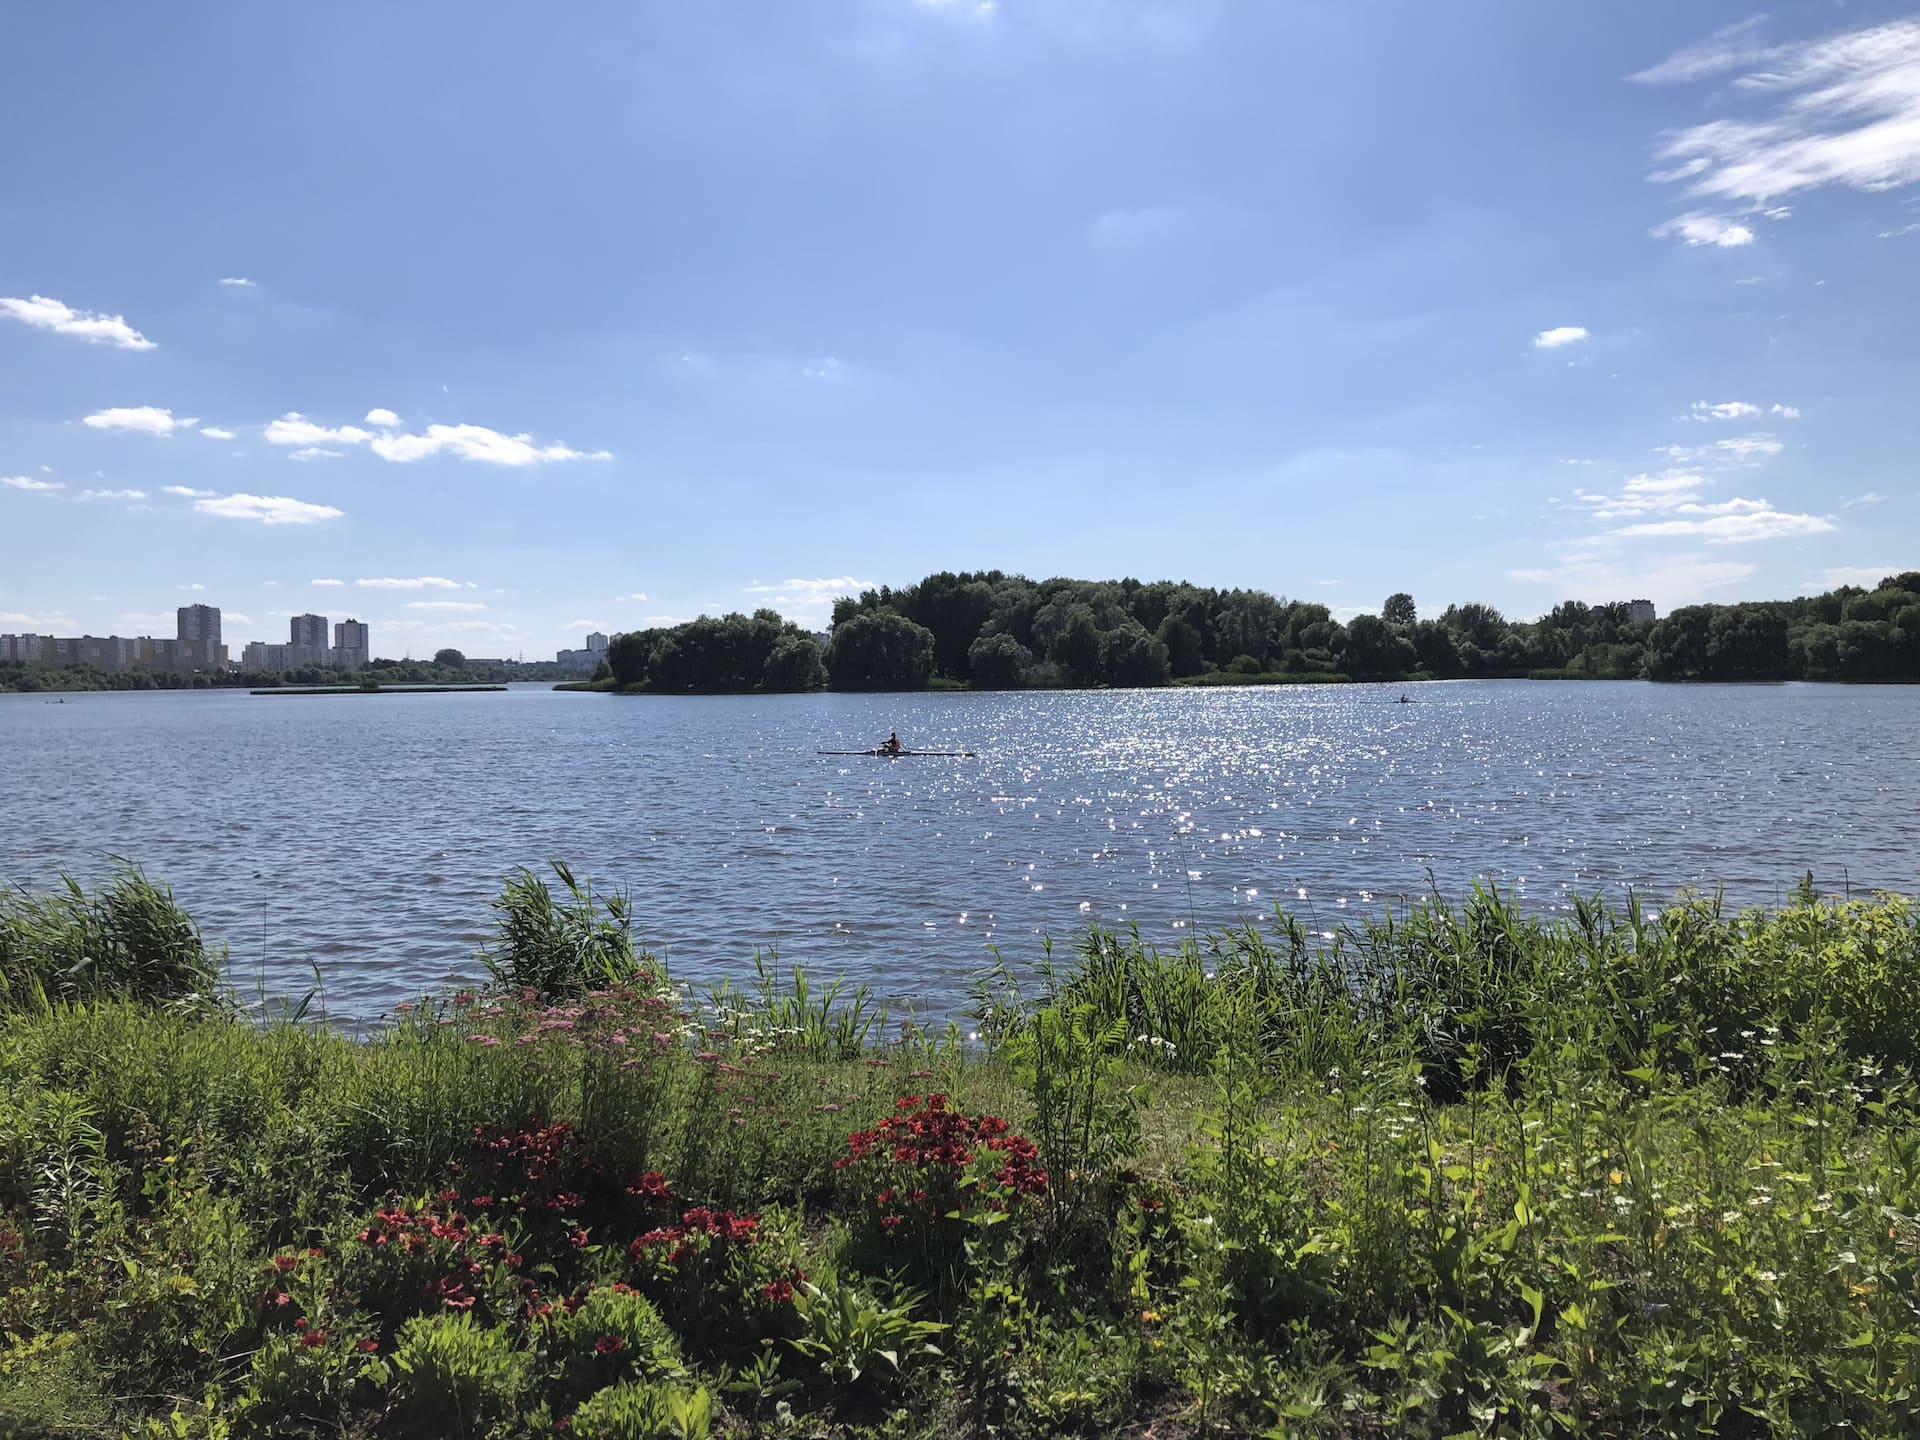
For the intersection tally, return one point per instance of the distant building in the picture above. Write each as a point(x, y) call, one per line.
point(262, 658)
point(1640, 612)
point(307, 639)
point(198, 634)
point(26, 649)
point(584, 662)
point(350, 645)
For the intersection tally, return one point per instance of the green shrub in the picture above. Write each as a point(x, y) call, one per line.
point(645, 1412)
point(452, 1377)
point(614, 1335)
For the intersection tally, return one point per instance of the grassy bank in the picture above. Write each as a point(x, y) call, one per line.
point(1464, 1172)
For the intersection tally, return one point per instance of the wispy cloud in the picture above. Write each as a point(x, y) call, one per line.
point(464, 442)
point(327, 584)
point(44, 313)
point(215, 432)
point(1559, 336)
point(1700, 228)
point(186, 492)
point(1739, 410)
point(1866, 577)
point(420, 582)
point(317, 452)
point(267, 509)
point(111, 495)
point(1673, 503)
point(1728, 49)
point(477, 442)
point(1734, 450)
point(27, 482)
point(444, 604)
point(1860, 502)
point(1677, 580)
point(1841, 111)
point(293, 428)
point(238, 282)
point(140, 420)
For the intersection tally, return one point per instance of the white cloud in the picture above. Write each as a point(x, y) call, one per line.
point(827, 589)
point(1724, 410)
point(587, 624)
point(293, 428)
point(140, 419)
point(186, 491)
point(111, 495)
point(327, 584)
point(445, 605)
point(1867, 577)
point(1844, 110)
point(267, 509)
point(638, 595)
point(1738, 44)
point(1912, 229)
point(422, 582)
point(316, 452)
point(239, 282)
point(1680, 580)
point(215, 432)
point(27, 482)
point(1731, 522)
point(1700, 228)
point(195, 586)
point(1785, 412)
point(44, 313)
point(476, 442)
point(1558, 336)
point(465, 442)
point(1860, 502)
point(1734, 450)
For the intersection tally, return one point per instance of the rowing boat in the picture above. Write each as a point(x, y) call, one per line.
point(905, 754)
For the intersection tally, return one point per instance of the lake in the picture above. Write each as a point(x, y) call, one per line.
point(366, 835)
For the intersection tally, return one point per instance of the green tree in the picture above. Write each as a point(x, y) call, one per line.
point(795, 664)
point(880, 650)
point(1181, 642)
point(450, 658)
point(998, 662)
point(1131, 657)
point(1078, 646)
point(1399, 609)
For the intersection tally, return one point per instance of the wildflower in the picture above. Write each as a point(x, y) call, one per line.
point(609, 1345)
point(488, 1040)
point(314, 1339)
point(368, 1347)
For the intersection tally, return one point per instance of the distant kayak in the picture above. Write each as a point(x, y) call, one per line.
point(884, 753)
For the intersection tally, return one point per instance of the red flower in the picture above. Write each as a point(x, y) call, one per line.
point(368, 1347)
point(609, 1345)
point(314, 1339)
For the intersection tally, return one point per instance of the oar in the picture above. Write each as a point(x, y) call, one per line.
point(896, 754)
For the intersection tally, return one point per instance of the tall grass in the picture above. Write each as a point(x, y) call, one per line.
point(130, 940)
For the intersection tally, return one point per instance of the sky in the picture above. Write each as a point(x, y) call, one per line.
point(491, 325)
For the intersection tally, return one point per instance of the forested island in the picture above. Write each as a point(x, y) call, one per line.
point(448, 667)
point(988, 630)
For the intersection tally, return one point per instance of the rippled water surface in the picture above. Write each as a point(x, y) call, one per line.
point(365, 835)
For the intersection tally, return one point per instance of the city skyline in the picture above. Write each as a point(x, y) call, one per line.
point(788, 301)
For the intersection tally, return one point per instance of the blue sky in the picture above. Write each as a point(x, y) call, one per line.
point(597, 314)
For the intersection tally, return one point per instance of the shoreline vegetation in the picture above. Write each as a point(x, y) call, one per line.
point(453, 669)
point(375, 688)
point(989, 630)
point(1456, 1170)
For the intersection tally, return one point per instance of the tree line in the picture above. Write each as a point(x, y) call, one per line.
point(447, 667)
point(995, 631)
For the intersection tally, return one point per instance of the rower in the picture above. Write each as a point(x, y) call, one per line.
point(892, 747)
